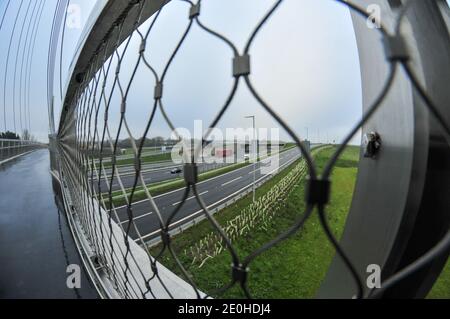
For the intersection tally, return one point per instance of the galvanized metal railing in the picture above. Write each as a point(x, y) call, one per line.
point(11, 149)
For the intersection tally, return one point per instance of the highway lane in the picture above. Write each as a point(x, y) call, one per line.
point(151, 175)
point(214, 192)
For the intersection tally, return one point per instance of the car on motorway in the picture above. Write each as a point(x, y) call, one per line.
point(176, 171)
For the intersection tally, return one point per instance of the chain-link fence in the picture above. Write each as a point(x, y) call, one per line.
point(107, 204)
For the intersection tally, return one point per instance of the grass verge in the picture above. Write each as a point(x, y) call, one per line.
point(441, 289)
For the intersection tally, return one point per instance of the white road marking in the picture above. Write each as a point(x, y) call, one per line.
point(136, 218)
point(192, 197)
point(232, 181)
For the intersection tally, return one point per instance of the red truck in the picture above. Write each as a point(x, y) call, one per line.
point(224, 152)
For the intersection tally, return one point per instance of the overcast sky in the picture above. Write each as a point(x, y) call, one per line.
point(304, 64)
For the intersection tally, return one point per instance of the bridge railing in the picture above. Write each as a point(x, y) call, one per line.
point(396, 188)
point(10, 149)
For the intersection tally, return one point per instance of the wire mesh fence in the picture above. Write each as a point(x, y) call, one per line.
point(94, 181)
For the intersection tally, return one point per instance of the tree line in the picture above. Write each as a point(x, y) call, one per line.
point(26, 136)
point(149, 142)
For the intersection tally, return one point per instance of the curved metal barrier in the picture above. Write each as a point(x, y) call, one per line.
point(399, 216)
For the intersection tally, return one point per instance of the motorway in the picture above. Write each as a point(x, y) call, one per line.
point(215, 192)
point(152, 173)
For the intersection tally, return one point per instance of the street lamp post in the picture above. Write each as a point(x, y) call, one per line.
point(255, 151)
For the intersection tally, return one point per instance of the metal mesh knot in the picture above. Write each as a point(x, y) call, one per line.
point(317, 191)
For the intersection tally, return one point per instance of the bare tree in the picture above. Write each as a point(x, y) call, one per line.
point(27, 136)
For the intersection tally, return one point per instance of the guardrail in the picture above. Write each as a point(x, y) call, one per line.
point(11, 149)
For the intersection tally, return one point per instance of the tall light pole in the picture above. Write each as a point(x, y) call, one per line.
point(255, 151)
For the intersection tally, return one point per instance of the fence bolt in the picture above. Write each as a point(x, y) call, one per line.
point(79, 78)
point(96, 261)
point(372, 144)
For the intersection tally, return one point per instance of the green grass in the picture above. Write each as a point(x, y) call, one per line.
point(294, 268)
point(441, 289)
point(289, 146)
